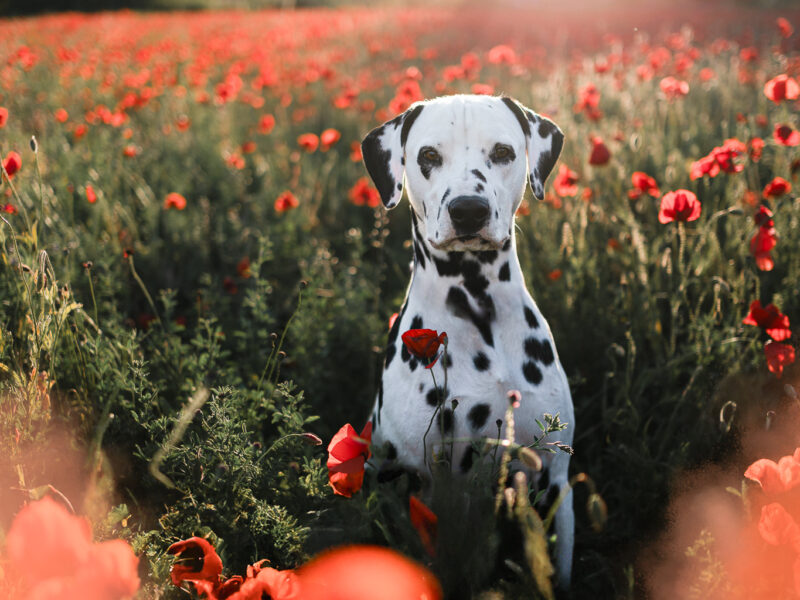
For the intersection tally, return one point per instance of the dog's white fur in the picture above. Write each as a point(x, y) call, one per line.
point(465, 130)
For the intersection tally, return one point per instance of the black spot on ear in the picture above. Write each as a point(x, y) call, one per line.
point(391, 451)
point(481, 361)
point(532, 372)
point(540, 350)
point(478, 415)
point(505, 272)
point(467, 460)
point(507, 245)
point(519, 114)
point(434, 395)
point(377, 160)
point(479, 175)
point(446, 420)
point(408, 121)
point(531, 318)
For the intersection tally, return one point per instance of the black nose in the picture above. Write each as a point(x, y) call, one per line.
point(468, 213)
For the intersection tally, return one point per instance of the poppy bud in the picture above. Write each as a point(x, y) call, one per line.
point(312, 439)
point(34, 144)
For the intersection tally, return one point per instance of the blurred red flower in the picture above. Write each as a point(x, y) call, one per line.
point(347, 454)
point(362, 193)
point(286, 201)
point(761, 244)
point(483, 89)
point(566, 182)
point(755, 147)
point(777, 187)
point(61, 115)
point(721, 158)
point(784, 27)
point(777, 527)
point(776, 478)
point(130, 151)
point(366, 573)
point(266, 123)
point(673, 88)
point(680, 205)
point(266, 582)
point(424, 344)
point(9, 209)
point(308, 142)
point(243, 268)
point(196, 561)
point(600, 154)
point(424, 521)
point(704, 166)
point(770, 318)
point(555, 274)
point(80, 131)
point(248, 147)
point(355, 151)
point(174, 200)
point(778, 356)
point(786, 136)
point(12, 164)
point(588, 102)
point(763, 218)
point(328, 138)
point(91, 197)
point(781, 88)
point(643, 184)
point(3, 116)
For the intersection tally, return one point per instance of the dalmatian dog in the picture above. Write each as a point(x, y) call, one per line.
point(462, 160)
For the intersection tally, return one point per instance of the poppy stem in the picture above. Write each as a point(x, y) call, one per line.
point(430, 423)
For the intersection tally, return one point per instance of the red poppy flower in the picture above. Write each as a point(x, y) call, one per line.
point(9, 208)
point(643, 184)
point(366, 573)
point(784, 27)
point(80, 131)
point(243, 268)
point(362, 193)
point(502, 54)
point(12, 163)
point(775, 478)
point(265, 124)
point(673, 88)
point(777, 527)
point(778, 356)
point(248, 147)
point(763, 218)
point(781, 88)
point(61, 115)
point(196, 561)
point(424, 521)
point(770, 318)
point(777, 187)
point(725, 154)
point(308, 142)
point(286, 201)
point(424, 344)
point(266, 582)
point(680, 205)
point(704, 166)
point(600, 154)
point(761, 244)
point(91, 196)
point(347, 454)
point(755, 147)
point(355, 151)
point(3, 116)
point(328, 138)
point(565, 183)
point(174, 200)
point(786, 136)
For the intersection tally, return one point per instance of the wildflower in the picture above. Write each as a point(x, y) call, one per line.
point(266, 123)
point(782, 88)
point(786, 136)
point(777, 187)
point(763, 218)
point(80, 131)
point(784, 27)
point(286, 201)
point(643, 184)
point(243, 268)
point(776, 478)
point(328, 138)
point(424, 344)
point(680, 205)
point(755, 147)
point(565, 183)
point(555, 274)
point(424, 521)
point(704, 166)
point(12, 163)
point(130, 151)
point(355, 151)
point(174, 200)
point(777, 527)
point(248, 147)
point(61, 115)
point(3, 116)
point(356, 572)
point(183, 123)
point(362, 193)
point(761, 244)
point(600, 154)
point(502, 54)
point(308, 142)
point(775, 323)
point(197, 561)
point(267, 583)
point(673, 88)
point(91, 196)
point(778, 356)
point(229, 285)
point(347, 454)
point(9, 209)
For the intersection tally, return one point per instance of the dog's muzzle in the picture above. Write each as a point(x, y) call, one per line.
point(469, 214)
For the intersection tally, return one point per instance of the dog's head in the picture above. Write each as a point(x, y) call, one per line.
point(463, 161)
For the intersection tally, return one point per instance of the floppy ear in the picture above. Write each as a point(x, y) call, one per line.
point(544, 142)
point(383, 151)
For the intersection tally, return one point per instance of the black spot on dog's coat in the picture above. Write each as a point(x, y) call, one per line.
point(434, 395)
point(478, 188)
point(540, 350)
point(458, 303)
point(486, 257)
point(532, 372)
point(450, 267)
point(474, 281)
point(478, 415)
point(445, 420)
point(531, 318)
point(391, 451)
point(481, 361)
point(479, 175)
point(467, 460)
point(505, 272)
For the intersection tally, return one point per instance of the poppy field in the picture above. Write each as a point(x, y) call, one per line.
point(198, 278)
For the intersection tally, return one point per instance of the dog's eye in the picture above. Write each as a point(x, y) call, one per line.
point(430, 155)
point(502, 153)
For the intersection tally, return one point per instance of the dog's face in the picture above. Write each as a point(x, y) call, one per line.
point(463, 159)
